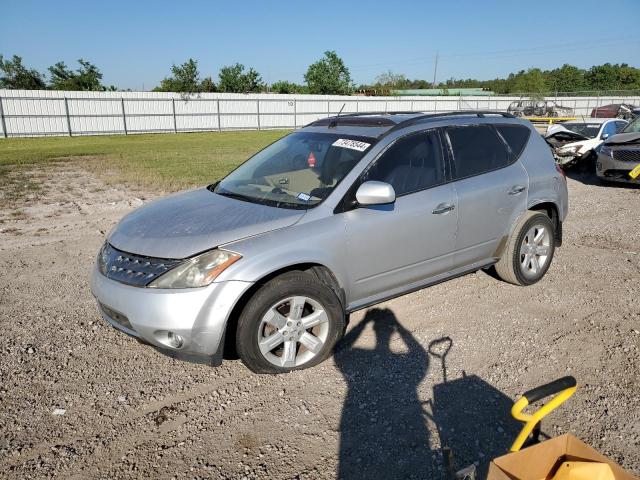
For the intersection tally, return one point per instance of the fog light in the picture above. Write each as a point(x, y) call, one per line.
point(174, 340)
point(598, 166)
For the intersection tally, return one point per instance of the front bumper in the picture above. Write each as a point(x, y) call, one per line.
point(615, 170)
point(198, 315)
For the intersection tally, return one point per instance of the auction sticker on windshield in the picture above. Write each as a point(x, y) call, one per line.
point(352, 144)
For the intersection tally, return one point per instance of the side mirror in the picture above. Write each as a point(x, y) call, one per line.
point(604, 136)
point(375, 193)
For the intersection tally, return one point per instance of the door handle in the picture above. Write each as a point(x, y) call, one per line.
point(516, 189)
point(442, 208)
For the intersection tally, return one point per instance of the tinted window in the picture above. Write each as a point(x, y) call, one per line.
point(412, 163)
point(476, 149)
point(516, 137)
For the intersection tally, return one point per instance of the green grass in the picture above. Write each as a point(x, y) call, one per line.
point(167, 161)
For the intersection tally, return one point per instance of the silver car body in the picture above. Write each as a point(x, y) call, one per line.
point(372, 253)
point(618, 156)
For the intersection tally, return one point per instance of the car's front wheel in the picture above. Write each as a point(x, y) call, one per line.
point(529, 251)
point(292, 322)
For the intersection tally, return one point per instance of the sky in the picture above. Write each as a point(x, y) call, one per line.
point(134, 43)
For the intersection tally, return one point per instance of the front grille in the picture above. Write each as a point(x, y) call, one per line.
point(133, 269)
point(116, 317)
point(627, 155)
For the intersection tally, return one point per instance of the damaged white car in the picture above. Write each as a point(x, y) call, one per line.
point(575, 142)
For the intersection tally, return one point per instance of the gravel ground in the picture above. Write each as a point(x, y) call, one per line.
point(80, 400)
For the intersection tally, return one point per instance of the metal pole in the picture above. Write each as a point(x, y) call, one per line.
point(218, 110)
point(411, 107)
point(328, 108)
point(124, 117)
point(173, 107)
point(295, 113)
point(258, 110)
point(4, 125)
point(66, 111)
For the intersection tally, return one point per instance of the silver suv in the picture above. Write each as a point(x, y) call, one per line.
point(342, 214)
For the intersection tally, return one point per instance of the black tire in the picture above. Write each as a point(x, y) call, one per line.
point(287, 285)
point(510, 266)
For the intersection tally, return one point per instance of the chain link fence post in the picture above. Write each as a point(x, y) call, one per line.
point(4, 125)
point(66, 112)
point(295, 113)
point(218, 112)
point(173, 108)
point(124, 117)
point(258, 110)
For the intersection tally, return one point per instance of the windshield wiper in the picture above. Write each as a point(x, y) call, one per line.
point(237, 196)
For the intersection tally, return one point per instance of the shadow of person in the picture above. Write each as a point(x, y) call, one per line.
point(471, 416)
point(383, 430)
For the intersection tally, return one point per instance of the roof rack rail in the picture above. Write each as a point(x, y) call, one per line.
point(409, 121)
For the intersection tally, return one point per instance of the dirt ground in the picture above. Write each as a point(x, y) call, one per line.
point(80, 400)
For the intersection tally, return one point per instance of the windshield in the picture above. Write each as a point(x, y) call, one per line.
point(298, 171)
point(633, 127)
point(587, 129)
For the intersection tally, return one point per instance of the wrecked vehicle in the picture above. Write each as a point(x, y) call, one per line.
point(575, 142)
point(615, 110)
point(619, 156)
point(538, 108)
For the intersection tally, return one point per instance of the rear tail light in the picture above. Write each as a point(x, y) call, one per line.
point(560, 171)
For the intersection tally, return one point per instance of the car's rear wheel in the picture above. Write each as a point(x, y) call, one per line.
point(292, 322)
point(529, 252)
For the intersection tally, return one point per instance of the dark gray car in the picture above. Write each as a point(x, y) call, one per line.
point(342, 214)
point(619, 155)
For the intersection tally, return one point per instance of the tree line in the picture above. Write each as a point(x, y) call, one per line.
point(328, 75)
point(567, 78)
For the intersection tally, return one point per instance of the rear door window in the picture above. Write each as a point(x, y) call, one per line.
point(516, 137)
point(476, 149)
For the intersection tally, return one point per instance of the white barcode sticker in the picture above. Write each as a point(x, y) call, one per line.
point(352, 144)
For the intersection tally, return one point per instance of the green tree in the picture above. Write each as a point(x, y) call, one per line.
point(184, 78)
point(234, 79)
point(389, 79)
point(329, 75)
point(565, 79)
point(16, 76)
point(86, 78)
point(207, 85)
point(612, 77)
point(531, 81)
point(282, 86)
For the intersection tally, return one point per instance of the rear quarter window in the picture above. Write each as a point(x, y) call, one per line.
point(516, 137)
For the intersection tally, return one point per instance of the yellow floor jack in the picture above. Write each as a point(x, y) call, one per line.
point(561, 388)
point(529, 435)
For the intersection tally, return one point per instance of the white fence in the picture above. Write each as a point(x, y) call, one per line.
point(42, 112)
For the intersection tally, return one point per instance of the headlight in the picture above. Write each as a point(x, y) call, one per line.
point(103, 258)
point(606, 151)
point(569, 150)
point(197, 271)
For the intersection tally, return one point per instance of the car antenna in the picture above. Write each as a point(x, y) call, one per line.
point(334, 123)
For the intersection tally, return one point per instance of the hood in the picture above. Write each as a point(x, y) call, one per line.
point(187, 223)
point(561, 137)
point(564, 135)
point(631, 137)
